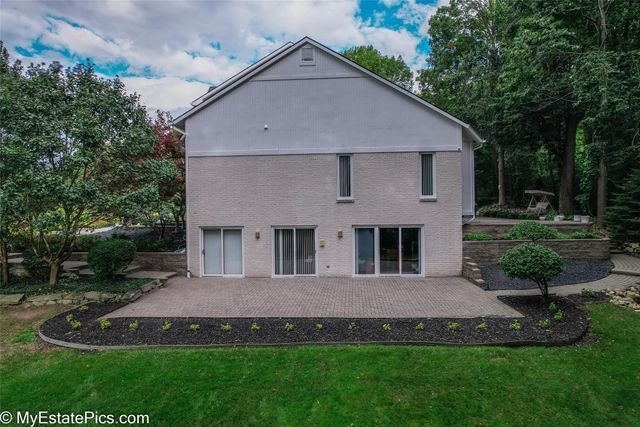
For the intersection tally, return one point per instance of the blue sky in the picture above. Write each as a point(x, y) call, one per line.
point(171, 51)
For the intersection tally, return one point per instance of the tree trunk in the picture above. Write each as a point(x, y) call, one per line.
point(601, 196)
point(567, 166)
point(501, 190)
point(53, 273)
point(4, 258)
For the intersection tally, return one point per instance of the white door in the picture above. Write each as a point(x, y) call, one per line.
point(222, 252)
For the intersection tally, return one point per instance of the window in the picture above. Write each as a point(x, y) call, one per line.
point(344, 177)
point(294, 252)
point(307, 56)
point(427, 177)
point(388, 250)
point(222, 252)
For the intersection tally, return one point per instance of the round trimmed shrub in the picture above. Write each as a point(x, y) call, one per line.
point(108, 258)
point(533, 262)
point(35, 266)
point(531, 230)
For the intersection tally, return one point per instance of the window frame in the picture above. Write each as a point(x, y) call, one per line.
point(304, 63)
point(273, 250)
point(222, 229)
point(376, 250)
point(351, 180)
point(427, 197)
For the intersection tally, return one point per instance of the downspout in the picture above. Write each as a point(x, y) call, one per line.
point(183, 138)
point(473, 216)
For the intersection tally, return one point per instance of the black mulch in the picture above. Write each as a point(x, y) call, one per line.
point(574, 272)
point(272, 330)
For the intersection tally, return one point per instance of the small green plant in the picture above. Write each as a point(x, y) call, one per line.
point(482, 327)
point(83, 309)
point(133, 326)
point(544, 324)
point(319, 326)
point(477, 236)
point(553, 307)
point(166, 326)
point(255, 327)
point(105, 323)
point(420, 327)
point(559, 315)
point(587, 293)
point(226, 327)
point(584, 235)
point(69, 317)
point(194, 327)
point(516, 325)
point(531, 230)
point(386, 327)
point(288, 327)
point(75, 325)
point(352, 326)
point(453, 326)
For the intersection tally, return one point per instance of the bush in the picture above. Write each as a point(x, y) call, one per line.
point(623, 215)
point(110, 257)
point(477, 236)
point(85, 243)
point(533, 262)
point(497, 211)
point(36, 266)
point(150, 245)
point(530, 230)
point(584, 235)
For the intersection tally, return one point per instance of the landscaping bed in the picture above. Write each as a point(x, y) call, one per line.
point(574, 272)
point(266, 331)
point(30, 286)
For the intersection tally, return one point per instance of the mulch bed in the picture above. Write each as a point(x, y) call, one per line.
point(335, 330)
point(574, 272)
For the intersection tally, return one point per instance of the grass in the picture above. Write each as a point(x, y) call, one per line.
point(29, 286)
point(595, 384)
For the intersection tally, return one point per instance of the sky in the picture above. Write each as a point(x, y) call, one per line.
point(170, 52)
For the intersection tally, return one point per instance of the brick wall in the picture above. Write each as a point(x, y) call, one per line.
point(489, 252)
point(260, 192)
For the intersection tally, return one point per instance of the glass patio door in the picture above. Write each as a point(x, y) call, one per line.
point(387, 251)
point(294, 252)
point(222, 252)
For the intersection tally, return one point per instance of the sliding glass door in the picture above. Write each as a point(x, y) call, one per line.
point(294, 252)
point(388, 250)
point(222, 252)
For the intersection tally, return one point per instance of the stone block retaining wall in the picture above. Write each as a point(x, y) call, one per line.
point(488, 252)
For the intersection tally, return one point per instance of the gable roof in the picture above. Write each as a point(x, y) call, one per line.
point(244, 75)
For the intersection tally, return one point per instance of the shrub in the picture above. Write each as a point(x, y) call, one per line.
point(352, 326)
point(553, 307)
point(531, 230)
point(319, 326)
point(584, 235)
point(544, 324)
point(69, 317)
point(83, 309)
point(226, 327)
point(420, 327)
point(482, 327)
point(453, 326)
point(86, 242)
point(255, 327)
point(477, 236)
point(133, 326)
point(105, 323)
point(150, 245)
point(288, 327)
point(533, 262)
point(110, 257)
point(166, 326)
point(75, 325)
point(624, 211)
point(587, 293)
point(35, 266)
point(516, 325)
point(497, 211)
point(194, 327)
point(559, 315)
point(386, 327)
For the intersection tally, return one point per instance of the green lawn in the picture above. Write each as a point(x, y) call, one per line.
point(596, 384)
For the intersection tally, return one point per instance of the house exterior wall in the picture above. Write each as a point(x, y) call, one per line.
point(259, 192)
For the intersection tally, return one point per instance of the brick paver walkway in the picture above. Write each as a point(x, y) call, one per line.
point(317, 297)
point(626, 264)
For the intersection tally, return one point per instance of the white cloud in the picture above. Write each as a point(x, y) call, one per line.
point(414, 13)
point(165, 93)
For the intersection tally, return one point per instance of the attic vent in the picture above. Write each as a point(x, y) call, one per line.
point(307, 56)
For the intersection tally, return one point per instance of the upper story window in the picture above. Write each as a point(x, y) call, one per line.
point(345, 177)
point(427, 176)
point(307, 56)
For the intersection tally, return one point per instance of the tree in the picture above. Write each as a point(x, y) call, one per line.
point(623, 216)
point(531, 261)
point(392, 68)
point(84, 144)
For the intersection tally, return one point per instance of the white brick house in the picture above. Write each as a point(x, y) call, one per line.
point(307, 164)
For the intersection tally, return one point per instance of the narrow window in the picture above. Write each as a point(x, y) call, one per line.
point(344, 177)
point(427, 176)
point(307, 56)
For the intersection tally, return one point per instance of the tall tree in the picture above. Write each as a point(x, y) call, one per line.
point(84, 142)
point(392, 68)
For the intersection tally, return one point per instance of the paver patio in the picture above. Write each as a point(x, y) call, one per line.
point(318, 297)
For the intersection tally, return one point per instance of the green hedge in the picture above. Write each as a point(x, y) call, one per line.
point(477, 236)
point(109, 257)
point(531, 230)
point(497, 211)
